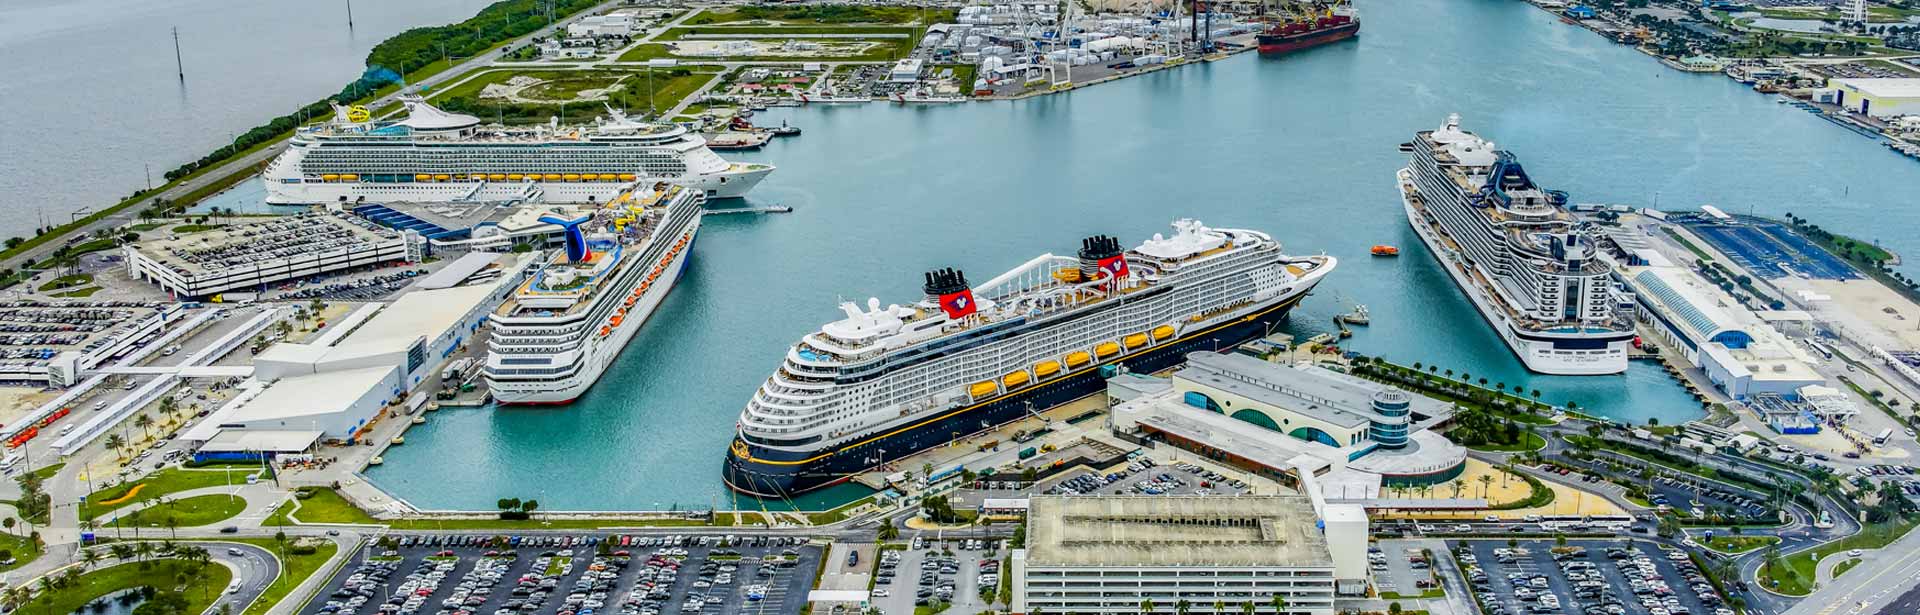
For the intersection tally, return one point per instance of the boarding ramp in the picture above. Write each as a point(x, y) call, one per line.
point(183, 371)
point(103, 421)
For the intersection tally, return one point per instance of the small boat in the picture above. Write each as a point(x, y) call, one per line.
point(1385, 250)
point(1358, 316)
point(784, 130)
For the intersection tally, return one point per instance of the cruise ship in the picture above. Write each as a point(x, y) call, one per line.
point(565, 324)
point(1511, 246)
point(886, 382)
point(434, 156)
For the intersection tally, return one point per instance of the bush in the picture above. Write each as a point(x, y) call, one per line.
point(302, 550)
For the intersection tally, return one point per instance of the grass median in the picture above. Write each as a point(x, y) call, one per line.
point(161, 483)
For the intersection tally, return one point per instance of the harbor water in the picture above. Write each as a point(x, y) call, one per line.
point(1304, 147)
point(94, 100)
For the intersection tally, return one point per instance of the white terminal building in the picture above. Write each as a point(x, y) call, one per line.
point(252, 255)
point(1741, 353)
point(1107, 554)
point(369, 363)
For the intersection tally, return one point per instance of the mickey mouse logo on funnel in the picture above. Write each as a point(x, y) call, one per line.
point(948, 288)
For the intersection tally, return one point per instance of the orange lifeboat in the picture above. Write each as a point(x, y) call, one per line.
point(605, 330)
point(1385, 250)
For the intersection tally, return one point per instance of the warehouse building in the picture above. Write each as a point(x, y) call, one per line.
point(1877, 97)
point(252, 255)
point(1107, 554)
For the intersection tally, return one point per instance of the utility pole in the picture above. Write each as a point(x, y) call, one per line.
point(179, 66)
point(349, 14)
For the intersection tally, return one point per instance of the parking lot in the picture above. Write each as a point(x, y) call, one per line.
point(1697, 498)
point(568, 575)
point(930, 570)
point(1144, 476)
point(1591, 577)
point(1401, 567)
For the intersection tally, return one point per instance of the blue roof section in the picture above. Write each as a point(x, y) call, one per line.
point(1700, 321)
point(398, 220)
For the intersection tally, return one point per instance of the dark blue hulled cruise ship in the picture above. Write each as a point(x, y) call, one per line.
point(887, 382)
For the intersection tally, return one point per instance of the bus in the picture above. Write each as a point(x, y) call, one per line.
point(1880, 439)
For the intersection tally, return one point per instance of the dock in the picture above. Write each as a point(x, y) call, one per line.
point(770, 209)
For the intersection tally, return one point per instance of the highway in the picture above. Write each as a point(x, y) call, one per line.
point(1884, 579)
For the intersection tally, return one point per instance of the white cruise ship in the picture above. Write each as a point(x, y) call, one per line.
point(565, 324)
point(886, 382)
point(434, 156)
point(1511, 246)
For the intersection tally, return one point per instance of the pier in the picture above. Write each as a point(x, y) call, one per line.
point(770, 209)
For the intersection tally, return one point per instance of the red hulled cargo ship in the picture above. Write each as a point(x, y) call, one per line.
point(1300, 32)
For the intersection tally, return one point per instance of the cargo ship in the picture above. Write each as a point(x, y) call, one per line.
point(1313, 26)
point(885, 382)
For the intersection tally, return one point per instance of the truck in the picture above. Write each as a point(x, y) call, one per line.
point(1029, 452)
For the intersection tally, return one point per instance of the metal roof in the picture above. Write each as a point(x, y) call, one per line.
point(1240, 531)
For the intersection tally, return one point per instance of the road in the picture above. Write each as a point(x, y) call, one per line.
point(255, 159)
point(1883, 576)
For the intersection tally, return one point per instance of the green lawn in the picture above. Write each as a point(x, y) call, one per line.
point(326, 506)
point(204, 585)
point(67, 281)
point(1529, 442)
point(1739, 544)
point(667, 90)
point(78, 294)
point(884, 49)
point(163, 482)
point(1843, 567)
point(294, 570)
point(195, 228)
point(835, 14)
point(674, 34)
point(23, 548)
point(189, 512)
point(48, 472)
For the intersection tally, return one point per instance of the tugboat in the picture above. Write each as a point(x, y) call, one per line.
point(1312, 25)
point(1358, 316)
point(1385, 250)
point(784, 130)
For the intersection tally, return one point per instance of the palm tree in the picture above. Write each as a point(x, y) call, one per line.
point(1182, 607)
point(1486, 481)
point(1146, 606)
point(115, 442)
point(145, 423)
point(1279, 602)
point(1219, 606)
point(88, 557)
point(1246, 608)
point(1458, 485)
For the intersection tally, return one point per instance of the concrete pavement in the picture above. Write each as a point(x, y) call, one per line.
point(1882, 575)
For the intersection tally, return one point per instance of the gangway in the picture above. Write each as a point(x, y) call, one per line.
point(469, 197)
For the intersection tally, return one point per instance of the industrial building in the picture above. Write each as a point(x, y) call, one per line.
point(336, 385)
point(1282, 421)
point(1107, 554)
point(1740, 353)
point(252, 255)
point(1877, 97)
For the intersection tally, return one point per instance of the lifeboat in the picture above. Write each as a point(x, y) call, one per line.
point(496, 176)
point(572, 177)
point(350, 177)
point(616, 320)
point(631, 299)
point(515, 176)
point(589, 176)
point(1106, 349)
point(1385, 250)
point(605, 330)
point(983, 388)
point(1046, 368)
point(329, 177)
point(552, 177)
point(1078, 358)
point(627, 177)
point(422, 177)
point(1136, 340)
point(1162, 332)
point(442, 177)
point(1014, 379)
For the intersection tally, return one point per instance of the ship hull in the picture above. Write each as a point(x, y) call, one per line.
point(1277, 44)
point(765, 472)
point(602, 354)
point(1536, 352)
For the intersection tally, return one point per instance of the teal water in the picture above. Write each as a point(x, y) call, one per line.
point(1303, 147)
